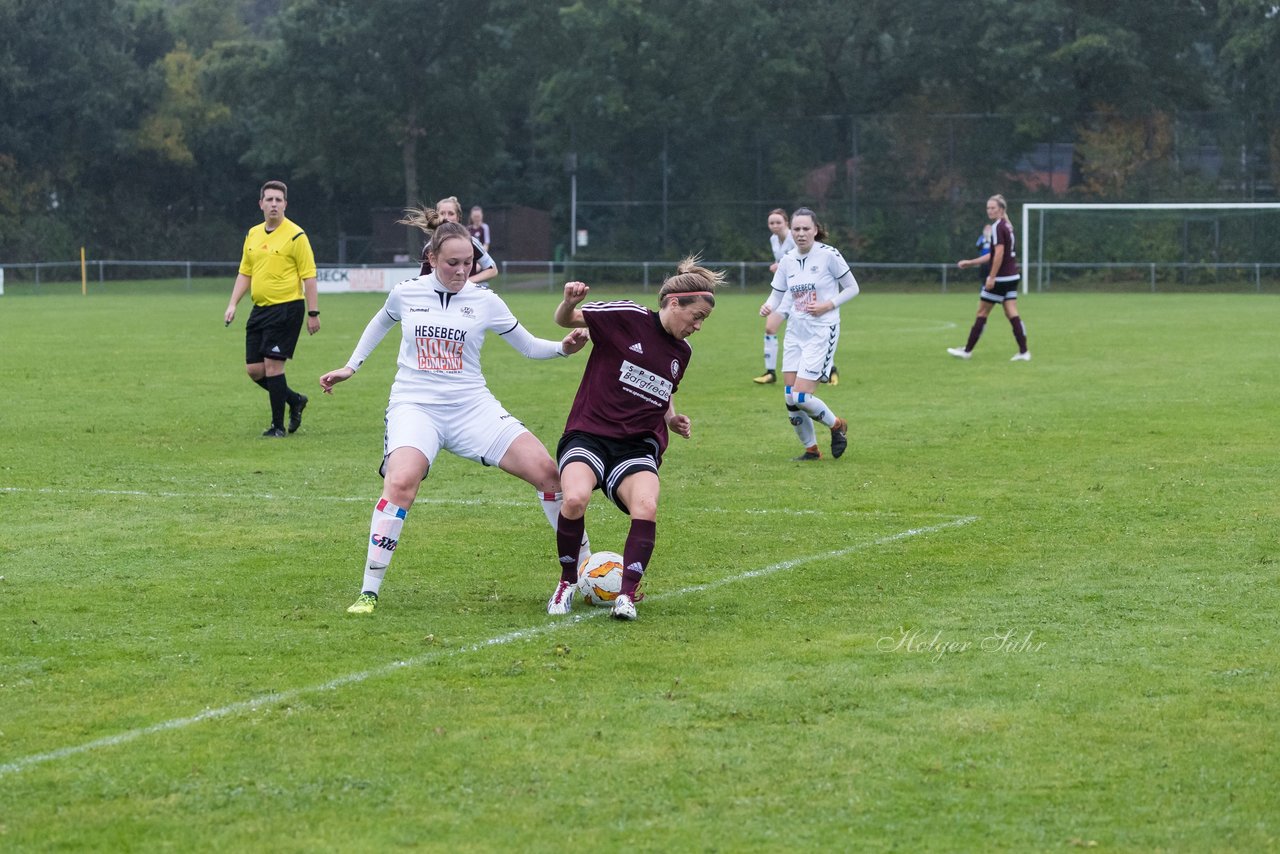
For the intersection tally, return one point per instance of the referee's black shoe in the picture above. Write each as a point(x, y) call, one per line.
point(274, 432)
point(295, 413)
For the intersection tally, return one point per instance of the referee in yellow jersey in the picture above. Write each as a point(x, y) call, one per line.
point(279, 269)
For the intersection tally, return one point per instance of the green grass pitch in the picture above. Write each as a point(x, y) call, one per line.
point(1033, 608)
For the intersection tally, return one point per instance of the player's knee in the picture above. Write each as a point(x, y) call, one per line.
point(643, 507)
point(574, 504)
point(401, 485)
point(794, 398)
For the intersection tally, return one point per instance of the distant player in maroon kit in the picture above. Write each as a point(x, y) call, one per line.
point(617, 428)
point(1001, 285)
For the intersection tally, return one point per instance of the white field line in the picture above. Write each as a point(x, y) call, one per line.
point(25, 762)
point(424, 499)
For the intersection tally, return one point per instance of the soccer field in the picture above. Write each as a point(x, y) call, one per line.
point(1033, 607)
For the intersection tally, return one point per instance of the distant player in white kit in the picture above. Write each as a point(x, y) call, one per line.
point(780, 243)
point(439, 399)
point(817, 281)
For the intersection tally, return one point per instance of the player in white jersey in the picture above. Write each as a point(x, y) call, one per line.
point(446, 210)
point(817, 281)
point(439, 399)
point(780, 243)
point(484, 269)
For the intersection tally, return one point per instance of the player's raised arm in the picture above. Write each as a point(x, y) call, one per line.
point(568, 314)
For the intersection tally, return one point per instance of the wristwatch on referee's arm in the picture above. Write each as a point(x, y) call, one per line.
point(313, 314)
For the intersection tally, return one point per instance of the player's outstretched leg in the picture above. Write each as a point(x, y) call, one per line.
point(384, 535)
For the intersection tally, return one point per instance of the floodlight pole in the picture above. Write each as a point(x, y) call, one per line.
point(1026, 264)
point(571, 166)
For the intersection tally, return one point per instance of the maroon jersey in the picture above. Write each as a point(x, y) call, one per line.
point(634, 368)
point(1002, 235)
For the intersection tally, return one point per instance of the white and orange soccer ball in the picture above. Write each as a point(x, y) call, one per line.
point(600, 578)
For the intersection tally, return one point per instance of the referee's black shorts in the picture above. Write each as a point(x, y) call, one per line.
point(272, 331)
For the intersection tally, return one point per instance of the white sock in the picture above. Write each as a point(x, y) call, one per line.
point(811, 404)
point(384, 535)
point(373, 579)
point(551, 502)
point(803, 425)
point(770, 352)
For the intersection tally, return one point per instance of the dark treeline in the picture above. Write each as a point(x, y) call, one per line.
point(142, 128)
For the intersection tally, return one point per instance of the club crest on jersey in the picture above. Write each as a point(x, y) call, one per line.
point(675, 369)
point(468, 311)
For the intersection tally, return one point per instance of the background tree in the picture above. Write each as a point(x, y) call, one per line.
point(144, 127)
point(375, 100)
point(74, 82)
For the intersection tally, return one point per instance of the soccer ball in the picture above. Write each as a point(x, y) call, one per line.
point(600, 578)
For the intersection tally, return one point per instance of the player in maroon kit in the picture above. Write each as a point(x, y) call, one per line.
point(1001, 285)
point(618, 425)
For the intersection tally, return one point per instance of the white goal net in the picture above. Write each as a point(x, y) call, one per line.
point(1201, 246)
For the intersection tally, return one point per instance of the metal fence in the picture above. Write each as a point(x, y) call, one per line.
point(744, 275)
point(1257, 277)
point(929, 277)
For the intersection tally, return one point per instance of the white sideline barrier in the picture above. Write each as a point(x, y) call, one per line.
point(347, 280)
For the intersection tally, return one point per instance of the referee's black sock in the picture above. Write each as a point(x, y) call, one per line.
point(278, 389)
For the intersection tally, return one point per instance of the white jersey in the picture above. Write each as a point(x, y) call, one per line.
point(781, 247)
point(441, 333)
point(810, 279)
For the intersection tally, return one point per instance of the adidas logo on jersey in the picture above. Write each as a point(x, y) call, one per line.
point(637, 348)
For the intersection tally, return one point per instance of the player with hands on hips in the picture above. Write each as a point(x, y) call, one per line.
point(440, 400)
point(622, 416)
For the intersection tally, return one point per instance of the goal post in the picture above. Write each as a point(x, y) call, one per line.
point(1036, 259)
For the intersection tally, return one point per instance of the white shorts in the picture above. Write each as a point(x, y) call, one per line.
point(479, 430)
point(809, 348)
